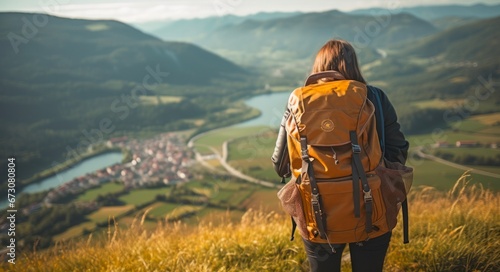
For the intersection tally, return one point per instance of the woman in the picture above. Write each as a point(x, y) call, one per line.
point(339, 58)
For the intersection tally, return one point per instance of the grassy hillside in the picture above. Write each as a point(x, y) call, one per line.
point(453, 231)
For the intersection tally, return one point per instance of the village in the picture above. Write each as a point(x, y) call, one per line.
point(161, 160)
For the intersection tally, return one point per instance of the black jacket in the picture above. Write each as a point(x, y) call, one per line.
point(396, 146)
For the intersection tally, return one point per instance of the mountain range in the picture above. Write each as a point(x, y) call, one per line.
point(299, 36)
point(185, 28)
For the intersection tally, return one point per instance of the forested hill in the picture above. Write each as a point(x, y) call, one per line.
point(449, 64)
point(477, 41)
point(37, 48)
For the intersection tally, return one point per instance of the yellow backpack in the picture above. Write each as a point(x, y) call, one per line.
point(334, 153)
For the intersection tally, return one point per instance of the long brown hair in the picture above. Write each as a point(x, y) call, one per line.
point(340, 56)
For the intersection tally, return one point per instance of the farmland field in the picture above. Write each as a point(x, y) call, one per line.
point(217, 137)
point(104, 189)
point(163, 99)
point(474, 151)
point(442, 177)
point(104, 213)
point(265, 200)
point(203, 150)
point(135, 220)
point(439, 103)
point(450, 137)
point(100, 216)
point(142, 196)
point(252, 155)
point(487, 119)
point(74, 231)
point(492, 169)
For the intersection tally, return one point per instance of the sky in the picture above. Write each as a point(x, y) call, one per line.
point(154, 10)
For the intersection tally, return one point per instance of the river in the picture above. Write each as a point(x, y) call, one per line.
point(84, 167)
point(271, 107)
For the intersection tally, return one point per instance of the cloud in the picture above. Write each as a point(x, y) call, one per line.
point(129, 11)
point(132, 12)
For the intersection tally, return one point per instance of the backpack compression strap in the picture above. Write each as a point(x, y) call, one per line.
point(315, 196)
point(404, 207)
point(359, 173)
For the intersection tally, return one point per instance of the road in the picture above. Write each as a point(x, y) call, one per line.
point(421, 154)
point(223, 161)
point(382, 53)
point(236, 173)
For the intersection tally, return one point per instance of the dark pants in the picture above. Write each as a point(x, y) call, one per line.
point(367, 257)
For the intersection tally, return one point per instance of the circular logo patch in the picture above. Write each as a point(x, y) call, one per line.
point(327, 125)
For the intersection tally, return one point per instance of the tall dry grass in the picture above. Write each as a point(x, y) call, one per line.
point(258, 243)
point(457, 230)
point(454, 231)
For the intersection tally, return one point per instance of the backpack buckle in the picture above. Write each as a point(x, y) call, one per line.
point(305, 155)
point(356, 149)
point(314, 199)
point(368, 196)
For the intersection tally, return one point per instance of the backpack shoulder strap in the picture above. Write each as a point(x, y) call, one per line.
point(379, 115)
